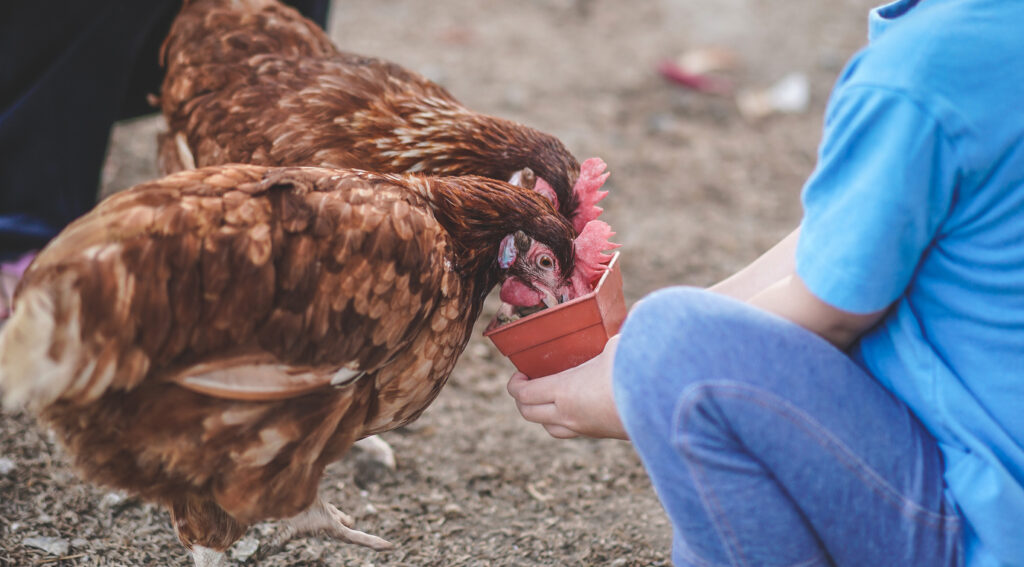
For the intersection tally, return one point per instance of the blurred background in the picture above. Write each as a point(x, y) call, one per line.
point(708, 115)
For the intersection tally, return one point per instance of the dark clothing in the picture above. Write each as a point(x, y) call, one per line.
point(68, 71)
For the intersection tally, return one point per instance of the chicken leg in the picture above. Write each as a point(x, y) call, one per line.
point(324, 517)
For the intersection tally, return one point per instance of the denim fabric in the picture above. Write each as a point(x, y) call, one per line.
point(767, 446)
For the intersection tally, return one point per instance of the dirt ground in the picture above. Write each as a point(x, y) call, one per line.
point(697, 190)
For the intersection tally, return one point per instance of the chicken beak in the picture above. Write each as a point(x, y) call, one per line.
point(549, 299)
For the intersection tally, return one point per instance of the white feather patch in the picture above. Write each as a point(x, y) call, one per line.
point(345, 375)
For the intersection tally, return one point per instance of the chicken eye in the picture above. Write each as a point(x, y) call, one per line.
point(545, 262)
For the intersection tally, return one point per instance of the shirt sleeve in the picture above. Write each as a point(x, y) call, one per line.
point(884, 183)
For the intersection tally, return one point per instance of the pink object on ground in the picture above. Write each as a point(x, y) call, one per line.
point(698, 82)
point(10, 275)
point(567, 335)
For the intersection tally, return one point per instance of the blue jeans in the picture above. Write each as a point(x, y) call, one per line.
point(768, 446)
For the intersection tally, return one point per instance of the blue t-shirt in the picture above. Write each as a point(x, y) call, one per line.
point(918, 202)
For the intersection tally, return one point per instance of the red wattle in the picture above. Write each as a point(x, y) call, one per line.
point(515, 292)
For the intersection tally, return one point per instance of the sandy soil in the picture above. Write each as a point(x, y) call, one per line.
point(697, 191)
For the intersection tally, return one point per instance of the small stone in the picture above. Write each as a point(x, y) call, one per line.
point(452, 510)
point(79, 543)
point(374, 463)
point(371, 510)
point(660, 123)
point(52, 545)
point(266, 529)
point(111, 499)
point(480, 351)
point(619, 562)
point(62, 476)
point(7, 466)
point(244, 548)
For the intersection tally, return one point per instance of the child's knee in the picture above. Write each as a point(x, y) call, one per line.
point(679, 309)
point(674, 323)
point(658, 303)
point(649, 368)
point(672, 339)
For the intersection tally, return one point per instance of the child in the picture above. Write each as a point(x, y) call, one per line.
point(766, 442)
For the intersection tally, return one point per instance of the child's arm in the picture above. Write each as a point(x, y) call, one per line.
point(770, 282)
point(789, 298)
point(778, 262)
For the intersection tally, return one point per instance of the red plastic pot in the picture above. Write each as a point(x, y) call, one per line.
point(566, 335)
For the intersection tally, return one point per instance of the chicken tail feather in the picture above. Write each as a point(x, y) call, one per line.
point(28, 376)
point(45, 357)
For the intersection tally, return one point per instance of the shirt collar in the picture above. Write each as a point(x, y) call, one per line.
point(883, 17)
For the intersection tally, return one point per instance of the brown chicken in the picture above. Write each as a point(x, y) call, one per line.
point(252, 81)
point(212, 340)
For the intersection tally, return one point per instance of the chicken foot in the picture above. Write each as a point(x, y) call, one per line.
point(323, 517)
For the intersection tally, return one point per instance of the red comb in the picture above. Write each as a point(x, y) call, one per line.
point(588, 193)
point(590, 247)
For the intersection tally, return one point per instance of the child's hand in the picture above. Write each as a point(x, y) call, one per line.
point(574, 402)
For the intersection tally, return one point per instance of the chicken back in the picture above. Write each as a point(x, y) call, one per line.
point(252, 81)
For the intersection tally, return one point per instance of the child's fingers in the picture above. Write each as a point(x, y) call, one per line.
point(532, 392)
point(540, 413)
point(559, 432)
point(516, 383)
